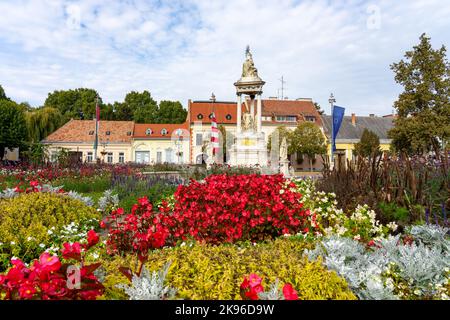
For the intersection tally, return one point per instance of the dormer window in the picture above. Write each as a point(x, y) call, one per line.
point(228, 116)
point(200, 116)
point(129, 133)
point(108, 133)
point(210, 115)
point(148, 131)
point(91, 132)
point(164, 132)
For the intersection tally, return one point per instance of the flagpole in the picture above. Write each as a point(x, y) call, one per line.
point(332, 100)
point(96, 130)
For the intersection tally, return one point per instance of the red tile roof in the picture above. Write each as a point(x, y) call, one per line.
point(269, 108)
point(140, 130)
point(79, 131)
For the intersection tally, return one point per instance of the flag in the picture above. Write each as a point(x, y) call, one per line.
point(338, 115)
point(214, 135)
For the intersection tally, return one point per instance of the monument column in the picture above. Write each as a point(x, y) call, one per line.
point(258, 113)
point(239, 113)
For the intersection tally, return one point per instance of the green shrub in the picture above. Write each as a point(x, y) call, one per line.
point(216, 272)
point(84, 184)
point(26, 220)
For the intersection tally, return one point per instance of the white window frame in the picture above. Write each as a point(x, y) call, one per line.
point(121, 157)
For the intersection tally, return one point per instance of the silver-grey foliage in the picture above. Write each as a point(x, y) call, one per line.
point(149, 286)
point(274, 292)
point(422, 265)
point(108, 200)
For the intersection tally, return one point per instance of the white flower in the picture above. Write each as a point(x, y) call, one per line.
point(42, 245)
point(13, 243)
point(392, 225)
point(281, 191)
point(95, 255)
point(286, 235)
point(50, 232)
point(183, 244)
point(357, 237)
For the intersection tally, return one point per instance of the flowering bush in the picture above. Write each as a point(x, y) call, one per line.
point(33, 222)
point(361, 224)
point(227, 208)
point(252, 289)
point(49, 279)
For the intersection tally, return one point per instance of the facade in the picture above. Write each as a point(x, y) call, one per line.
point(351, 131)
point(126, 141)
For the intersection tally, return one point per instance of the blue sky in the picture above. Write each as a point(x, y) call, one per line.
point(180, 50)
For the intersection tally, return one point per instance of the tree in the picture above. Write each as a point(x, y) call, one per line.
point(42, 122)
point(308, 139)
point(369, 145)
point(77, 104)
point(171, 112)
point(13, 133)
point(318, 108)
point(2, 94)
point(142, 106)
point(423, 108)
point(282, 132)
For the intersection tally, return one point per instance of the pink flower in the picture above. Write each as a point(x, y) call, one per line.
point(49, 262)
point(71, 251)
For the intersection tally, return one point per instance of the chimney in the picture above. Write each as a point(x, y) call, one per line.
point(353, 119)
point(372, 115)
point(273, 98)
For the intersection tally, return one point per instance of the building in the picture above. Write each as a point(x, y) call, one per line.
point(350, 133)
point(126, 141)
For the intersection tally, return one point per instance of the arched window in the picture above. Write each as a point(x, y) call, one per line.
point(228, 116)
point(199, 116)
point(148, 131)
point(164, 131)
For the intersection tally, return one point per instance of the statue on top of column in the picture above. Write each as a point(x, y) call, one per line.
point(248, 68)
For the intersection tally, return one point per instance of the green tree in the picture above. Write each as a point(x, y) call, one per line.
point(282, 132)
point(369, 145)
point(13, 133)
point(2, 94)
point(77, 104)
point(41, 122)
point(141, 104)
point(171, 112)
point(308, 139)
point(423, 108)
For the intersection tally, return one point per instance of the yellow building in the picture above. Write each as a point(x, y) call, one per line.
point(351, 131)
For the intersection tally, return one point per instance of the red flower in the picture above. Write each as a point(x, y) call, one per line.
point(102, 224)
point(34, 183)
point(49, 262)
point(72, 251)
point(92, 238)
point(289, 292)
point(27, 291)
point(251, 286)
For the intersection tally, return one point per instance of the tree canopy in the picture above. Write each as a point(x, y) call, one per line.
point(171, 112)
point(42, 122)
point(308, 139)
point(369, 145)
point(13, 133)
point(3, 94)
point(423, 108)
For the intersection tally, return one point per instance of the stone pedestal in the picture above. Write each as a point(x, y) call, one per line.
point(284, 168)
point(249, 149)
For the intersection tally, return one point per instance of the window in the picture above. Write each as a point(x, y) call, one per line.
point(108, 133)
point(198, 139)
point(286, 118)
point(228, 116)
point(164, 132)
point(54, 156)
point(142, 156)
point(148, 131)
point(129, 133)
point(169, 155)
point(91, 132)
point(121, 157)
point(158, 157)
point(109, 158)
point(210, 115)
point(310, 118)
point(200, 116)
point(89, 157)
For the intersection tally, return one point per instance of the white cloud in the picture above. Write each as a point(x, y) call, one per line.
point(185, 50)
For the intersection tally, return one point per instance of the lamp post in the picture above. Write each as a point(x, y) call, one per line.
point(332, 100)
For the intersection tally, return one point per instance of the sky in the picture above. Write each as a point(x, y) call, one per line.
point(180, 50)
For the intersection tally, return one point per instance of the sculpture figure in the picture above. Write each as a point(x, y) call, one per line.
point(283, 150)
point(248, 68)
